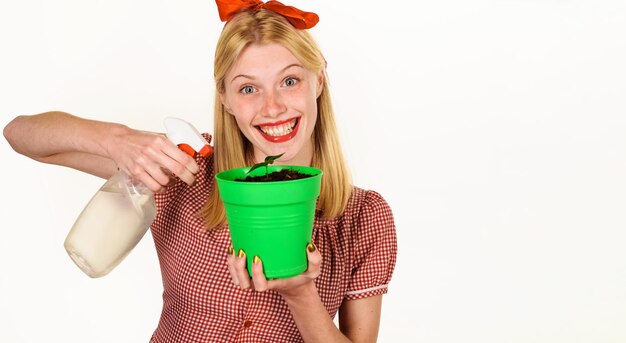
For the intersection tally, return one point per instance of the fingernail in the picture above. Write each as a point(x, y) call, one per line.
point(241, 253)
point(310, 247)
point(256, 260)
point(231, 250)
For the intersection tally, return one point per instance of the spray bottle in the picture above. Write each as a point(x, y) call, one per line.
point(122, 210)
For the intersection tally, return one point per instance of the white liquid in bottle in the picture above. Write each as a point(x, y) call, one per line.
point(109, 227)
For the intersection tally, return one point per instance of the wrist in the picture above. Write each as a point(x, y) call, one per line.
point(113, 137)
point(304, 293)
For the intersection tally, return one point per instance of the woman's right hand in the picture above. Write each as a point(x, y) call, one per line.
point(151, 158)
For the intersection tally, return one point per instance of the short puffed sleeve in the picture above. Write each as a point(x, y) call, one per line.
point(374, 250)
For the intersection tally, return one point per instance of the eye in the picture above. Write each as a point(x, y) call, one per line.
point(247, 90)
point(291, 81)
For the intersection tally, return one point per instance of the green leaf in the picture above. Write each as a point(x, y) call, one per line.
point(268, 160)
point(271, 159)
point(258, 165)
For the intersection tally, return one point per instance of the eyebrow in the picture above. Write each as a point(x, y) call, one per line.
point(252, 77)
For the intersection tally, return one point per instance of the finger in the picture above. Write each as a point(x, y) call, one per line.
point(158, 174)
point(241, 272)
point(147, 171)
point(147, 180)
point(171, 176)
point(168, 156)
point(230, 260)
point(179, 168)
point(182, 158)
point(185, 162)
point(258, 278)
point(315, 261)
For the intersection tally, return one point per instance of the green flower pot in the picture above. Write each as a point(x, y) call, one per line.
point(271, 220)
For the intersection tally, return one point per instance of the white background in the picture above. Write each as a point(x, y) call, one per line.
point(496, 130)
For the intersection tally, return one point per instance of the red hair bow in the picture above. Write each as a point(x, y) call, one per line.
point(300, 19)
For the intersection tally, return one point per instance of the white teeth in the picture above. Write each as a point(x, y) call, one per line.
point(279, 130)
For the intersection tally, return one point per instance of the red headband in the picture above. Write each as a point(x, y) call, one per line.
point(300, 19)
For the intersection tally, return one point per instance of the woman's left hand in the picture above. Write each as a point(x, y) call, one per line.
point(286, 287)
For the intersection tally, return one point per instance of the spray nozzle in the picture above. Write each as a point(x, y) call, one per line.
point(186, 137)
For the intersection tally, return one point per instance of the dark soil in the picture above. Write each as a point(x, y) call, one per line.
point(280, 175)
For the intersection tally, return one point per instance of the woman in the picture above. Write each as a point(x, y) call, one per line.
point(272, 97)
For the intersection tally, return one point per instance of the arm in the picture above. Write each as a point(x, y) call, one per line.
point(99, 148)
point(59, 138)
point(311, 317)
point(358, 319)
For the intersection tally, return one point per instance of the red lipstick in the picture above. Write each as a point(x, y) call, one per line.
point(283, 138)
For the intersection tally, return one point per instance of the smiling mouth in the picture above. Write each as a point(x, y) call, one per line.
point(279, 131)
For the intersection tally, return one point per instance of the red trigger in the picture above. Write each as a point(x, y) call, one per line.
point(206, 151)
point(187, 149)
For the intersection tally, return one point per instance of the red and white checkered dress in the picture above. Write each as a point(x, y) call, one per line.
point(200, 302)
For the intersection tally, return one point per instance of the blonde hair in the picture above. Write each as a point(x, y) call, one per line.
point(265, 27)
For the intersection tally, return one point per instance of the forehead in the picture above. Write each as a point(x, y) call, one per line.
point(266, 57)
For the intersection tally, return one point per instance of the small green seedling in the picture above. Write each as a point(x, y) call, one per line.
point(268, 160)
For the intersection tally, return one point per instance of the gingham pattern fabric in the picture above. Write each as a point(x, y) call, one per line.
point(200, 302)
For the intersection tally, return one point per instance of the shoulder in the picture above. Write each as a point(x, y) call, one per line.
point(368, 221)
point(368, 203)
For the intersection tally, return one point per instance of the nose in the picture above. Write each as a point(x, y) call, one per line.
point(273, 104)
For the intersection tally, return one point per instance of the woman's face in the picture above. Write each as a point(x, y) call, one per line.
point(273, 99)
